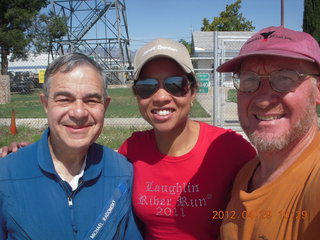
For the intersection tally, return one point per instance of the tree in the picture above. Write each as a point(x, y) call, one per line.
point(46, 28)
point(311, 18)
point(186, 44)
point(16, 17)
point(229, 20)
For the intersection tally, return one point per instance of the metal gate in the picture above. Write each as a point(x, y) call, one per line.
point(219, 101)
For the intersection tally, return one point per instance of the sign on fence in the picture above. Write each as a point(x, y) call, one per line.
point(203, 80)
point(41, 76)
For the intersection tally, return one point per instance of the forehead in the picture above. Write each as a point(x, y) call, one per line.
point(81, 78)
point(272, 63)
point(161, 66)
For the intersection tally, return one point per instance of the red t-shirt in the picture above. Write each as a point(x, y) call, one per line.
point(176, 197)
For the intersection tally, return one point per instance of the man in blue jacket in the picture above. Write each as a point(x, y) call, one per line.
point(65, 186)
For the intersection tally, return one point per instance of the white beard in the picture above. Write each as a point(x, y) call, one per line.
point(270, 143)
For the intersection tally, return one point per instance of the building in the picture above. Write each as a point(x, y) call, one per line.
point(223, 45)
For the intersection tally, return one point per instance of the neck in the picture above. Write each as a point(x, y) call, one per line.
point(66, 163)
point(177, 143)
point(274, 164)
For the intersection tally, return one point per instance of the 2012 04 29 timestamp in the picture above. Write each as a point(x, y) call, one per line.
point(261, 214)
point(232, 214)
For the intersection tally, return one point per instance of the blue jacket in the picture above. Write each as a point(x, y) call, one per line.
point(36, 204)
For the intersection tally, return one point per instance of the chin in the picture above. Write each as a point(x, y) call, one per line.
point(78, 144)
point(267, 143)
point(164, 127)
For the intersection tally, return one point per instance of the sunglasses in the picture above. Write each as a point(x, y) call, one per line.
point(177, 86)
point(281, 81)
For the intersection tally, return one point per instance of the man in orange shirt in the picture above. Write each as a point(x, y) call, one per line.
point(277, 194)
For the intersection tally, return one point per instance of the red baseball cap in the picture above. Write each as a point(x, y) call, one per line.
point(276, 41)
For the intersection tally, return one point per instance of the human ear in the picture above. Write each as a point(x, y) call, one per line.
point(318, 90)
point(107, 102)
point(44, 102)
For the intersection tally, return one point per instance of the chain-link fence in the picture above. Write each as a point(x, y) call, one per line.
point(215, 96)
point(210, 50)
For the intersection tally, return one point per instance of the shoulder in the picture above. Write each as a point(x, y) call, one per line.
point(225, 136)
point(226, 145)
point(136, 141)
point(113, 162)
point(141, 135)
point(214, 131)
point(20, 163)
point(245, 173)
point(248, 168)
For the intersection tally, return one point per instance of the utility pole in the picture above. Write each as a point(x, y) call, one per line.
point(282, 13)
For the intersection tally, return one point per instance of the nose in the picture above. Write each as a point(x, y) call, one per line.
point(78, 110)
point(161, 96)
point(265, 96)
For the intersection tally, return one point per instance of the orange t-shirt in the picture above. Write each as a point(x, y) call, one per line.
point(285, 209)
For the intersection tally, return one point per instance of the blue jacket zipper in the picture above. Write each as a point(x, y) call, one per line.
point(70, 195)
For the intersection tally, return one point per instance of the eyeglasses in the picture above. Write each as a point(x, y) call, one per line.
point(280, 81)
point(178, 86)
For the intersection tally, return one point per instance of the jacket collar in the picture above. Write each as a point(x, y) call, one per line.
point(94, 158)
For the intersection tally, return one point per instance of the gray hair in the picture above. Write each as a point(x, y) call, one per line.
point(66, 64)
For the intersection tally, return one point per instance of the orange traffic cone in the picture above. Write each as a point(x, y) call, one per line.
point(13, 127)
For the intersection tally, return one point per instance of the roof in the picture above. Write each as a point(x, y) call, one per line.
point(203, 41)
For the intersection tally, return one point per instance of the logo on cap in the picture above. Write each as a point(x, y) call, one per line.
point(159, 47)
point(265, 35)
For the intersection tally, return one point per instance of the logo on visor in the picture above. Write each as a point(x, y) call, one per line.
point(265, 35)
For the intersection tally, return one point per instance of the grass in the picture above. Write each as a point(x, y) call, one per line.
point(232, 97)
point(24, 134)
point(114, 136)
point(25, 106)
point(123, 105)
point(110, 136)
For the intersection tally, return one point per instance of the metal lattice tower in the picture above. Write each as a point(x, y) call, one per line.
point(99, 29)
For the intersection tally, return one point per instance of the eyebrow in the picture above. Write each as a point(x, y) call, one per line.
point(68, 94)
point(62, 93)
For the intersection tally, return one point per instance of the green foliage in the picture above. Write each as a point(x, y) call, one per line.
point(229, 20)
point(311, 18)
point(47, 27)
point(206, 25)
point(16, 17)
point(186, 44)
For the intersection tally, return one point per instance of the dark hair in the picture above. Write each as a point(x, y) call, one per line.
point(67, 63)
point(194, 84)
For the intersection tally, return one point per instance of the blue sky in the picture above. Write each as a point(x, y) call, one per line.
point(176, 19)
